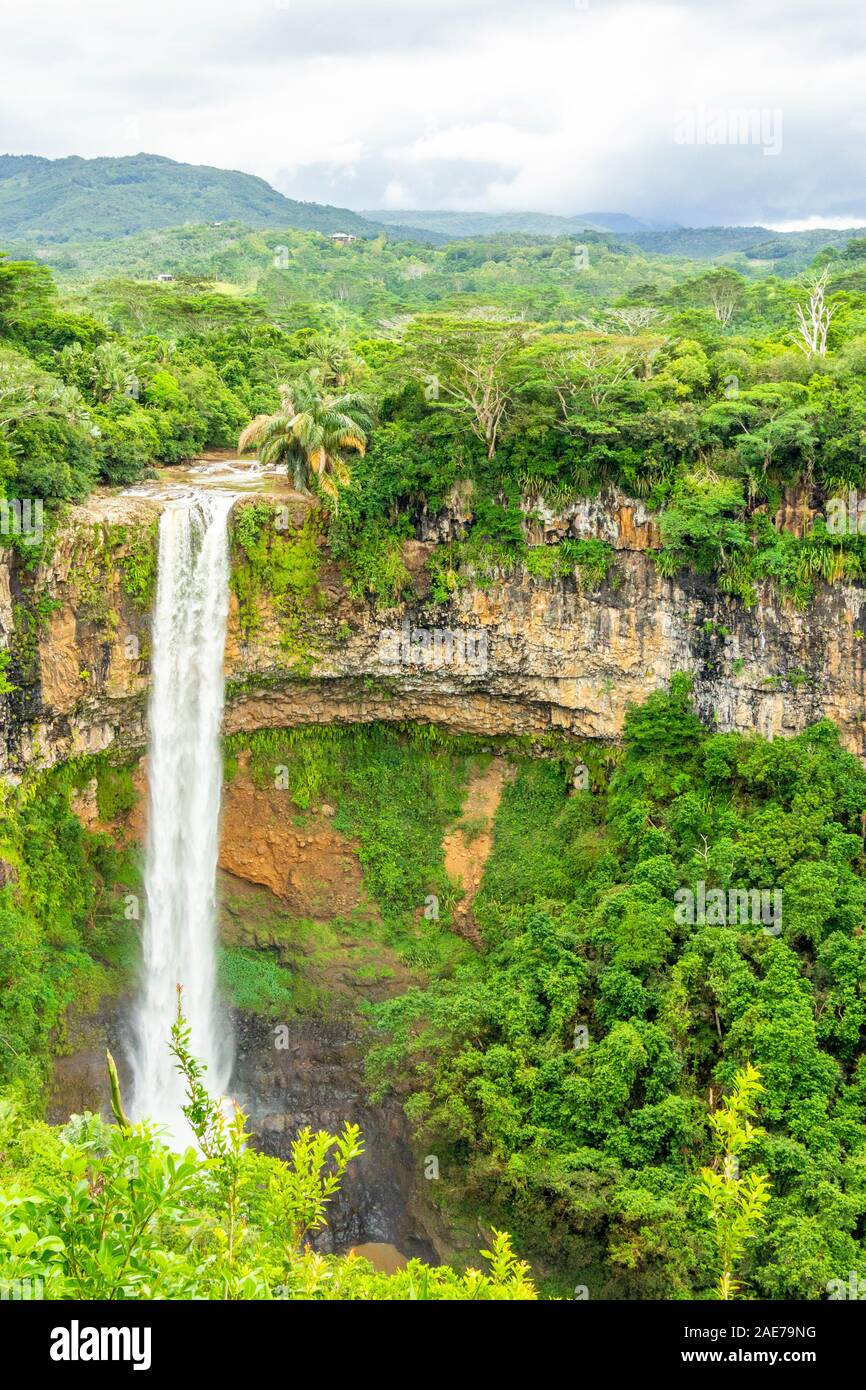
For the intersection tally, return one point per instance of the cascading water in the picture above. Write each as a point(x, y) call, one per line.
point(185, 780)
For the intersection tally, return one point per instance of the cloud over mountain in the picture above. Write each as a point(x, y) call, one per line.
point(485, 104)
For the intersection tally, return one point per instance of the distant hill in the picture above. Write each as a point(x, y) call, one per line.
point(57, 200)
point(758, 245)
point(787, 252)
point(136, 212)
point(698, 242)
point(623, 222)
point(484, 224)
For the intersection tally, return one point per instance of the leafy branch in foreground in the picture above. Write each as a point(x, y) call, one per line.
point(288, 1200)
point(737, 1204)
point(98, 1211)
point(222, 1139)
point(299, 1191)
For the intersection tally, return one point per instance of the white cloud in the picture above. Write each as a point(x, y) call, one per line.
point(465, 103)
point(817, 224)
point(396, 195)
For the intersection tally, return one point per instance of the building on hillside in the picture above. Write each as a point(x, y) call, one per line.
point(164, 277)
point(342, 238)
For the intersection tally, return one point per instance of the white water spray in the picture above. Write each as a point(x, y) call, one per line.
point(185, 781)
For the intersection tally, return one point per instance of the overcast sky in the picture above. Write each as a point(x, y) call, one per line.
point(694, 111)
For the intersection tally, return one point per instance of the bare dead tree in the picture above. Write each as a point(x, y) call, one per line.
point(813, 319)
point(636, 318)
point(592, 324)
point(469, 365)
point(593, 369)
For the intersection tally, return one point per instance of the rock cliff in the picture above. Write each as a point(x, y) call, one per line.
point(517, 655)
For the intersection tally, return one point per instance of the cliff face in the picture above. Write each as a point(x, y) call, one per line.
point(77, 630)
point(520, 655)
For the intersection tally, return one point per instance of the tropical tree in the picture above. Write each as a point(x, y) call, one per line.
point(469, 366)
point(26, 392)
point(311, 433)
point(592, 369)
point(111, 372)
point(737, 1202)
point(720, 289)
point(333, 357)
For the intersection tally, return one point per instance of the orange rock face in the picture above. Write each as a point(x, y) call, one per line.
point(312, 867)
point(467, 847)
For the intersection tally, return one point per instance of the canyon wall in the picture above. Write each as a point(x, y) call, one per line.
point(543, 655)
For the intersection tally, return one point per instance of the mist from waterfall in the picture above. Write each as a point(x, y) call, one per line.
point(185, 781)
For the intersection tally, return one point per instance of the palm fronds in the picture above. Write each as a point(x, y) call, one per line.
point(311, 432)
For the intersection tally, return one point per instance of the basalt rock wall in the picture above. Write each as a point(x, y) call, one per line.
point(515, 655)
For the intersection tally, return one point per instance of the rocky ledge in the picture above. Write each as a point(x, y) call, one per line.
point(518, 654)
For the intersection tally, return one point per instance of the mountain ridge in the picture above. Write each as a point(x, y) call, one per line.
point(59, 200)
point(457, 223)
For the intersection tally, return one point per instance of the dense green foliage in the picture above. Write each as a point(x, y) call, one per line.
point(580, 1075)
point(64, 932)
point(509, 373)
point(78, 404)
point(108, 1212)
point(563, 1076)
point(572, 1075)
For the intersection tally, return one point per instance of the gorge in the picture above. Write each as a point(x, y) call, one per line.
point(319, 728)
point(432, 693)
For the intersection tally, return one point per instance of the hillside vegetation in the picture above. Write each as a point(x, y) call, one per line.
point(60, 200)
point(518, 369)
point(568, 1072)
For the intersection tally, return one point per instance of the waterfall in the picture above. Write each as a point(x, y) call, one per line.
point(185, 780)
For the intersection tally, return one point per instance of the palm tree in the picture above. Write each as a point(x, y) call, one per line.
point(333, 359)
point(111, 372)
point(311, 432)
